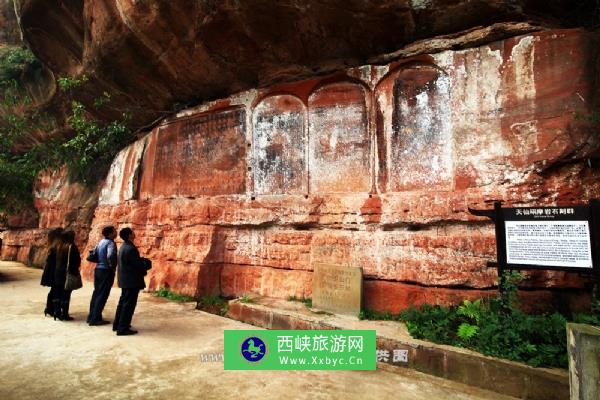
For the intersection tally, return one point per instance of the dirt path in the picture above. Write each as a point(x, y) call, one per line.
point(45, 359)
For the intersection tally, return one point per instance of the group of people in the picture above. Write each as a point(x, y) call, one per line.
point(64, 259)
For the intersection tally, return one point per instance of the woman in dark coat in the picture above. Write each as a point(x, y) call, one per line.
point(50, 268)
point(68, 258)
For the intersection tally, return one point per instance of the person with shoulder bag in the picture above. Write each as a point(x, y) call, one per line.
point(67, 276)
point(50, 268)
point(105, 257)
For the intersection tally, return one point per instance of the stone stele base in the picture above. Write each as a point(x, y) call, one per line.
point(584, 361)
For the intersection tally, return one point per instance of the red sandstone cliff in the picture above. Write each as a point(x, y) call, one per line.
point(152, 54)
point(10, 33)
point(373, 165)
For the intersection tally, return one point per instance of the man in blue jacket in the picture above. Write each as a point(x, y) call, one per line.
point(131, 271)
point(104, 275)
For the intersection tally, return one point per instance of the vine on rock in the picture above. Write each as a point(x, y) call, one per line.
point(87, 149)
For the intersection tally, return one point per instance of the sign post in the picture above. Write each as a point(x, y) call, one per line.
point(562, 238)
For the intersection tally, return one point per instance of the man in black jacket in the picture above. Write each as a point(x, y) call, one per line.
point(131, 271)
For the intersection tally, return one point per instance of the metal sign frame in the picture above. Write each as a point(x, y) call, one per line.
point(590, 213)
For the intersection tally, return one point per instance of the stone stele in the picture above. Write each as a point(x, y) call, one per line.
point(583, 344)
point(337, 288)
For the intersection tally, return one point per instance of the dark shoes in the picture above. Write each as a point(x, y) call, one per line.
point(127, 332)
point(57, 310)
point(61, 316)
point(98, 323)
point(115, 329)
point(61, 310)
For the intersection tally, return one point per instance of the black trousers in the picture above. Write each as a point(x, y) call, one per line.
point(103, 281)
point(61, 300)
point(125, 309)
point(50, 301)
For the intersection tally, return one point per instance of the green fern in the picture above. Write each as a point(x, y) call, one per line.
point(471, 310)
point(467, 331)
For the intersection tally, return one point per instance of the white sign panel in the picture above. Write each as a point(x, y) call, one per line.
point(549, 243)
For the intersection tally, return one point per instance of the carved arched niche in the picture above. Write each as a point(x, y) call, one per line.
point(278, 137)
point(339, 142)
point(414, 129)
point(203, 155)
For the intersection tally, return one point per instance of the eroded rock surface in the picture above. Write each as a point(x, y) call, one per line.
point(374, 167)
point(59, 203)
point(10, 33)
point(306, 156)
point(151, 55)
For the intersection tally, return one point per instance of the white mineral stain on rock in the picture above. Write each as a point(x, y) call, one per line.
point(111, 189)
point(420, 4)
point(522, 59)
point(444, 60)
point(57, 181)
point(121, 182)
point(379, 71)
point(281, 170)
point(419, 142)
point(338, 148)
point(477, 107)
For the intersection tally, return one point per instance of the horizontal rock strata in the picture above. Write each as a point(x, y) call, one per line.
point(374, 167)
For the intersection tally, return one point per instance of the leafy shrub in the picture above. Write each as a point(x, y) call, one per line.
point(168, 294)
point(94, 145)
point(470, 310)
point(434, 323)
point(467, 331)
point(87, 151)
point(14, 62)
point(494, 327)
point(212, 300)
point(213, 304)
point(18, 119)
point(377, 315)
point(539, 340)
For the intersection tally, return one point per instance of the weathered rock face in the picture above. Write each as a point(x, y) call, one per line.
point(37, 83)
point(10, 33)
point(373, 167)
point(59, 203)
point(151, 55)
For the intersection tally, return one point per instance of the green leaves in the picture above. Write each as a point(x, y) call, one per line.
point(87, 152)
point(67, 83)
point(94, 144)
point(539, 340)
point(467, 331)
point(508, 285)
point(470, 310)
point(102, 100)
point(18, 122)
point(14, 62)
point(494, 327)
point(166, 293)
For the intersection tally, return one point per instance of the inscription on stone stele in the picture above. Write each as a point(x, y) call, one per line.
point(337, 288)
